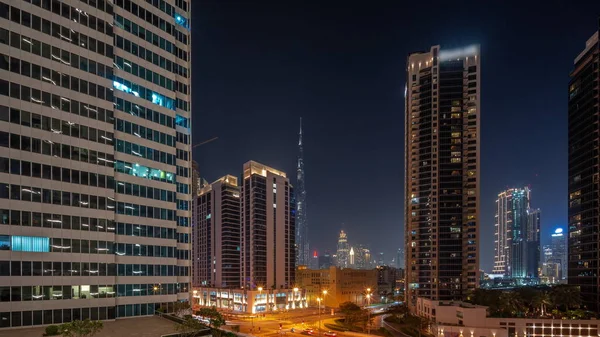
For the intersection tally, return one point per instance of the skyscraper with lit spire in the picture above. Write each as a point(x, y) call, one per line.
point(303, 255)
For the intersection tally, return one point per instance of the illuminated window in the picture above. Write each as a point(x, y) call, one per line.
point(140, 91)
point(456, 160)
point(4, 242)
point(182, 121)
point(455, 134)
point(183, 22)
point(35, 244)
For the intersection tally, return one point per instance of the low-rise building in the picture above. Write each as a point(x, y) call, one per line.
point(341, 285)
point(460, 319)
point(250, 301)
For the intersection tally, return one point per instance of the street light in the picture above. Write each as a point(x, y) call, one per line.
point(260, 292)
point(324, 294)
point(319, 300)
point(368, 311)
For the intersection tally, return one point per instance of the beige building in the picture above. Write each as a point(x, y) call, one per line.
point(342, 285)
point(96, 208)
point(250, 301)
point(459, 319)
point(268, 254)
point(442, 173)
point(216, 235)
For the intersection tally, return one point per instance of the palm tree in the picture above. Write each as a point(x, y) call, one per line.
point(510, 303)
point(542, 300)
point(566, 295)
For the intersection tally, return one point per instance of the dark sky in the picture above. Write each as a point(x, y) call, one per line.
point(258, 66)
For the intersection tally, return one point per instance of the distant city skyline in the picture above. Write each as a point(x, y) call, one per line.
point(278, 75)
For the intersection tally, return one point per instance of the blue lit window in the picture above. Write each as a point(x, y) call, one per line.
point(4, 242)
point(144, 172)
point(140, 91)
point(182, 121)
point(35, 244)
point(182, 21)
point(124, 88)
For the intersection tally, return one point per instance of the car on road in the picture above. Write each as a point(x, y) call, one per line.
point(308, 331)
point(330, 334)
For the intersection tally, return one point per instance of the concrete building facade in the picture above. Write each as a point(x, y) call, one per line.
point(455, 319)
point(95, 162)
point(268, 229)
point(216, 235)
point(342, 285)
point(442, 173)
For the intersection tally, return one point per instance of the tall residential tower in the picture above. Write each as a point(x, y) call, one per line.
point(216, 235)
point(95, 117)
point(584, 165)
point(442, 173)
point(301, 221)
point(268, 250)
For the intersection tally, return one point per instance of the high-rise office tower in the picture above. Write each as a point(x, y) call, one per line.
point(558, 243)
point(351, 261)
point(400, 258)
point(314, 261)
point(301, 219)
point(533, 242)
point(551, 268)
point(95, 127)
point(343, 250)
point(368, 264)
point(442, 173)
point(325, 260)
point(216, 235)
point(511, 231)
point(584, 194)
point(360, 257)
point(268, 250)
point(380, 260)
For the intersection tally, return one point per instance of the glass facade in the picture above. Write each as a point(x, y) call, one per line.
point(95, 136)
point(583, 188)
point(442, 173)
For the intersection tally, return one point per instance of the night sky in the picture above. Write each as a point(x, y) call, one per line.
point(259, 66)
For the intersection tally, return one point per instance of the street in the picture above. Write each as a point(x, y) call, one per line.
point(281, 323)
point(299, 320)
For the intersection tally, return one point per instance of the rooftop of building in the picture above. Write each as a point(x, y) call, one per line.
point(153, 326)
point(253, 167)
point(460, 304)
point(227, 179)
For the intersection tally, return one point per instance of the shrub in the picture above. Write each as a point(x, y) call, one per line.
point(335, 327)
point(51, 330)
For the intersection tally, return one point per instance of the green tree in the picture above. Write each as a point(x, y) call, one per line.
point(181, 308)
point(510, 304)
point(190, 327)
point(351, 311)
point(542, 300)
point(215, 319)
point(398, 310)
point(86, 328)
point(566, 296)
